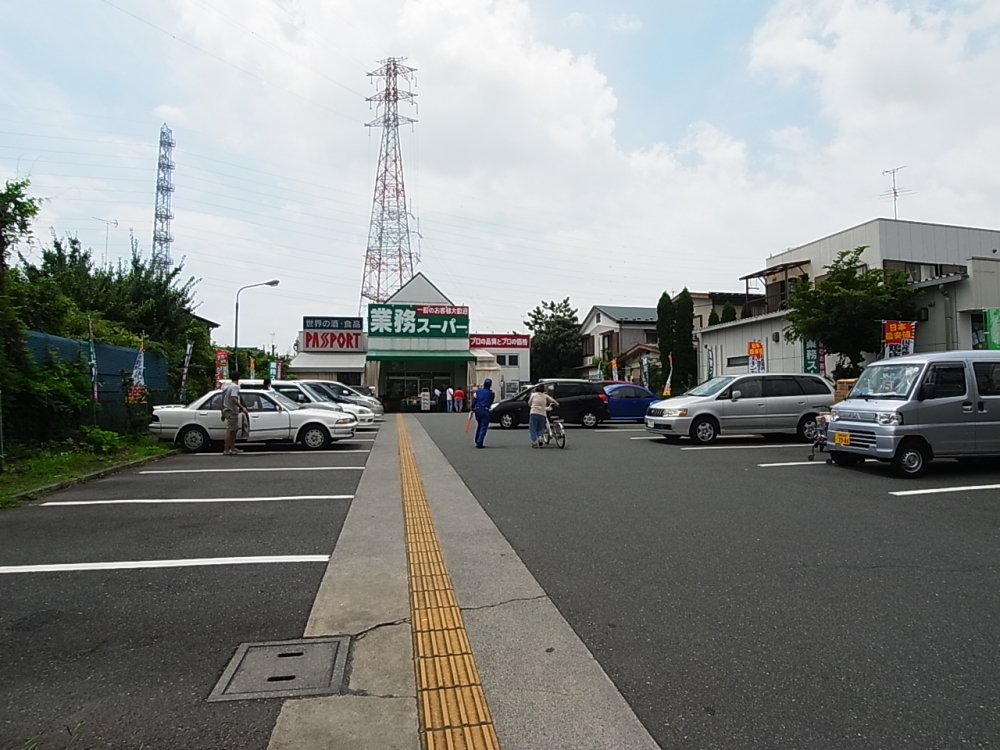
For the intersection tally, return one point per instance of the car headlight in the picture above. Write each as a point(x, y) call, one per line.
point(889, 418)
point(675, 412)
point(365, 412)
point(344, 421)
point(834, 416)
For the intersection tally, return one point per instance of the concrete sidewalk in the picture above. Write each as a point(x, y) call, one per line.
point(542, 686)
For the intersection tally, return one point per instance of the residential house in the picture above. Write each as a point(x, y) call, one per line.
point(608, 331)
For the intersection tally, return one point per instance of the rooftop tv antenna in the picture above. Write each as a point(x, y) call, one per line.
point(895, 193)
point(108, 223)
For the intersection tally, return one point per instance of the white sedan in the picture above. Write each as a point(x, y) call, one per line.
point(272, 418)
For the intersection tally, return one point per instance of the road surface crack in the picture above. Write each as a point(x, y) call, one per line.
point(362, 633)
point(505, 602)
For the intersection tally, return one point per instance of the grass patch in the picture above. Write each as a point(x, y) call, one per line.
point(70, 460)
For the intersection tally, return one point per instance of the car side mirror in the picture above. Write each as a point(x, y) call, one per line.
point(736, 395)
point(928, 391)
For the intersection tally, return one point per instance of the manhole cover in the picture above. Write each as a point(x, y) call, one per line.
point(284, 669)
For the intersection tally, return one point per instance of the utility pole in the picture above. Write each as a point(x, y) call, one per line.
point(107, 228)
point(164, 188)
point(389, 259)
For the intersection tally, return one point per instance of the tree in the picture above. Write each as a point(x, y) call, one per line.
point(728, 313)
point(846, 309)
point(685, 355)
point(713, 318)
point(665, 328)
point(556, 348)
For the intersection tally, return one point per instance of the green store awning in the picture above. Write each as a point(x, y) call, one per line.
point(411, 354)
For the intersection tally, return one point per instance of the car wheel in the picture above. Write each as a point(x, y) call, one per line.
point(589, 419)
point(508, 420)
point(806, 431)
point(193, 440)
point(911, 460)
point(845, 459)
point(704, 430)
point(315, 437)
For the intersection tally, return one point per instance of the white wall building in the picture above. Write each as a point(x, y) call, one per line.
point(957, 270)
point(511, 352)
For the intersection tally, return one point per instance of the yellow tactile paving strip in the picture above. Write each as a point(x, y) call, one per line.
point(450, 702)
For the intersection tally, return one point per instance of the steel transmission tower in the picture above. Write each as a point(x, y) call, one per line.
point(389, 259)
point(164, 188)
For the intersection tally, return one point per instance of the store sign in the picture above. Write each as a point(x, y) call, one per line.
point(991, 325)
point(330, 341)
point(813, 358)
point(331, 324)
point(898, 337)
point(498, 341)
point(418, 321)
point(755, 353)
point(221, 366)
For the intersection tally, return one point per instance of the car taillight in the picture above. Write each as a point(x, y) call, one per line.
point(156, 417)
point(603, 397)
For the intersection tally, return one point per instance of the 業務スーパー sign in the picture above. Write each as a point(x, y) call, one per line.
point(330, 341)
point(418, 321)
point(322, 323)
point(499, 341)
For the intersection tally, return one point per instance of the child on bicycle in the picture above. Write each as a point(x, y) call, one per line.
point(538, 403)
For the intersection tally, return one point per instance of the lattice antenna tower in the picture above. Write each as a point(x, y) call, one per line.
point(389, 259)
point(164, 189)
point(894, 192)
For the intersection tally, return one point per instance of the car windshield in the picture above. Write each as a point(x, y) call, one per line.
point(710, 387)
point(886, 381)
point(317, 392)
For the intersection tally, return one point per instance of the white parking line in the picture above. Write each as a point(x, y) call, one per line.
point(292, 453)
point(137, 564)
point(941, 490)
point(255, 468)
point(616, 430)
point(745, 447)
point(657, 437)
point(794, 463)
point(156, 501)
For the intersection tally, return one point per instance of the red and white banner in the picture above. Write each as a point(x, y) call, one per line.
point(498, 341)
point(898, 337)
point(442, 310)
point(330, 341)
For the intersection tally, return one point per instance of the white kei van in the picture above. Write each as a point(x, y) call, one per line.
point(911, 410)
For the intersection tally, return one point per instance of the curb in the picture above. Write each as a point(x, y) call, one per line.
point(48, 489)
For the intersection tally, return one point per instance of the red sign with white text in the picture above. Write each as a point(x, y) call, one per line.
point(499, 341)
point(331, 341)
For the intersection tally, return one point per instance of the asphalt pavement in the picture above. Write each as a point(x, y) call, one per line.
point(745, 597)
point(127, 644)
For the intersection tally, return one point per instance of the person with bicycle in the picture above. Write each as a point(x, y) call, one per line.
point(538, 404)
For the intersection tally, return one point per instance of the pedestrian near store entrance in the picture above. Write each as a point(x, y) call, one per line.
point(482, 400)
point(232, 412)
point(459, 399)
point(538, 403)
point(449, 397)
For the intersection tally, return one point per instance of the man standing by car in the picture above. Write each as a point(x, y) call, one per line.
point(232, 411)
point(482, 400)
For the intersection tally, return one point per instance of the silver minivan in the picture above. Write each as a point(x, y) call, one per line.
point(755, 403)
point(911, 410)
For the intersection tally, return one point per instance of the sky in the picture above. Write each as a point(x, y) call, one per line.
point(605, 152)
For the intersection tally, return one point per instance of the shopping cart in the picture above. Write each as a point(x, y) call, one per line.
point(819, 436)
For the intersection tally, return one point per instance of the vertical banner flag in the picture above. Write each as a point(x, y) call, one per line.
point(710, 362)
point(645, 371)
point(137, 391)
point(184, 370)
point(898, 337)
point(991, 325)
point(272, 369)
point(279, 369)
point(93, 363)
point(811, 357)
point(253, 367)
point(670, 374)
point(755, 356)
point(614, 369)
point(221, 366)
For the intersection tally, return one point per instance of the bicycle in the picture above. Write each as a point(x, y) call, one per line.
point(554, 430)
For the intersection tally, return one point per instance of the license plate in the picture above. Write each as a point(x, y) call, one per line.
point(842, 438)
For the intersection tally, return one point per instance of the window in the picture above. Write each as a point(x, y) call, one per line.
point(651, 337)
point(565, 390)
point(987, 378)
point(619, 393)
point(598, 317)
point(293, 393)
point(737, 361)
point(813, 386)
point(513, 360)
point(781, 385)
point(588, 346)
point(214, 403)
point(949, 379)
point(502, 360)
point(748, 387)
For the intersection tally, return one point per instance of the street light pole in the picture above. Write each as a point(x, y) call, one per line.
point(236, 323)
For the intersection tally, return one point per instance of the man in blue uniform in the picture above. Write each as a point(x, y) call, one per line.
point(482, 400)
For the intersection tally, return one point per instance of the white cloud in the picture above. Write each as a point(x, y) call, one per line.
point(576, 19)
point(625, 23)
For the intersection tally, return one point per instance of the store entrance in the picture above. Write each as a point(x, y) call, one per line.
point(403, 390)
